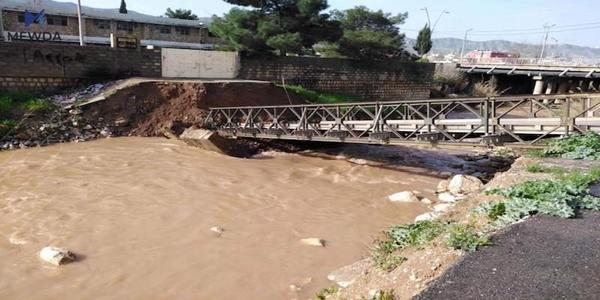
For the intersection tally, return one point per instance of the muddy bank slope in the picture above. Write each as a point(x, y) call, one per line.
point(137, 108)
point(154, 108)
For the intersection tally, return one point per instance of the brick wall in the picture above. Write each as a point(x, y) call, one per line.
point(19, 61)
point(384, 80)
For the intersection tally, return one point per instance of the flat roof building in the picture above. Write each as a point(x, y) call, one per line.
point(99, 24)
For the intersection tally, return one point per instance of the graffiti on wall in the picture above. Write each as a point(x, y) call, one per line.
point(56, 58)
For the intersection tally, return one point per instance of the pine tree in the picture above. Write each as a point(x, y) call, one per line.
point(423, 44)
point(123, 8)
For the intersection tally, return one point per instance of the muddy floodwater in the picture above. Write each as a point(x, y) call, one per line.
point(138, 213)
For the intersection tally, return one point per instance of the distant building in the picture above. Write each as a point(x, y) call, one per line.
point(53, 17)
point(490, 56)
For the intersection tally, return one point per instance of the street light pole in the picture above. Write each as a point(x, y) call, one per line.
point(81, 41)
point(462, 49)
point(427, 13)
point(438, 19)
point(545, 41)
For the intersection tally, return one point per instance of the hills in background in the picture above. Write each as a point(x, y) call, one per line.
point(445, 46)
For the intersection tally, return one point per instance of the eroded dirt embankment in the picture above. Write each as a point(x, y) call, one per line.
point(153, 108)
point(142, 108)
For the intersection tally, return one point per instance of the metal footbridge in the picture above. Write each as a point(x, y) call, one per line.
point(520, 120)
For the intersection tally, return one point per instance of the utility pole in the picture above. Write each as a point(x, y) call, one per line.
point(545, 40)
point(462, 50)
point(81, 41)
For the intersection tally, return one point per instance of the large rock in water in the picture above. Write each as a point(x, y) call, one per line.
point(403, 197)
point(56, 256)
point(212, 141)
point(464, 184)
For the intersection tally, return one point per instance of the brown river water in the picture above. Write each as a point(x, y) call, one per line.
point(138, 213)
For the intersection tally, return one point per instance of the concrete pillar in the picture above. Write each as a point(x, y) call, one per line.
point(563, 87)
point(539, 87)
point(1, 26)
point(550, 87)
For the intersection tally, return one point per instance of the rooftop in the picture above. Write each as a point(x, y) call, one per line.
point(70, 9)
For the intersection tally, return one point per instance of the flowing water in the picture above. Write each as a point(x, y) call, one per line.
point(138, 213)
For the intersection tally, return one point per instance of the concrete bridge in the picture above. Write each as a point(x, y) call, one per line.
point(547, 79)
point(521, 120)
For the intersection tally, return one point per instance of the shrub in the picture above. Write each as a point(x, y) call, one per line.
point(581, 146)
point(466, 238)
point(382, 295)
point(401, 236)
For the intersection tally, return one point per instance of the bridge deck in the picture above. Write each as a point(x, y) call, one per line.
point(473, 121)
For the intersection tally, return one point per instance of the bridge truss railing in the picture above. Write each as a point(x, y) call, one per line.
point(491, 120)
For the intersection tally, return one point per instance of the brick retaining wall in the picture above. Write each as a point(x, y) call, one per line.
point(382, 80)
point(51, 66)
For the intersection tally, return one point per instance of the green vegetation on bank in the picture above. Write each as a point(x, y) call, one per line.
point(466, 237)
point(401, 236)
point(538, 168)
point(584, 146)
point(13, 105)
point(560, 197)
point(319, 97)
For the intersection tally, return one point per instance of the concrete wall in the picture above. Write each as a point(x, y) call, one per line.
point(58, 65)
point(381, 80)
point(185, 63)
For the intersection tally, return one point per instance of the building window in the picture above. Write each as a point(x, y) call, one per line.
point(182, 30)
point(102, 24)
point(57, 20)
point(126, 26)
point(163, 29)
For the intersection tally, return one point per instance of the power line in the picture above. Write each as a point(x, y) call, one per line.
point(528, 31)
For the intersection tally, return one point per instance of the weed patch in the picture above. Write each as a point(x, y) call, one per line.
point(319, 97)
point(584, 146)
point(6, 126)
point(466, 238)
point(560, 197)
point(382, 295)
point(402, 236)
point(537, 168)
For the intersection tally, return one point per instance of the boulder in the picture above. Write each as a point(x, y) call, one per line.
point(347, 275)
point(464, 184)
point(212, 141)
point(218, 230)
point(403, 197)
point(443, 186)
point(442, 207)
point(447, 197)
point(56, 256)
point(317, 242)
point(426, 217)
point(426, 201)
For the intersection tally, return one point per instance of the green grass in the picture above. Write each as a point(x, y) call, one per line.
point(582, 146)
point(10, 101)
point(401, 236)
point(320, 97)
point(560, 197)
point(538, 168)
point(466, 238)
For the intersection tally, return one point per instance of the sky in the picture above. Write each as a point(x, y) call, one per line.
point(576, 21)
